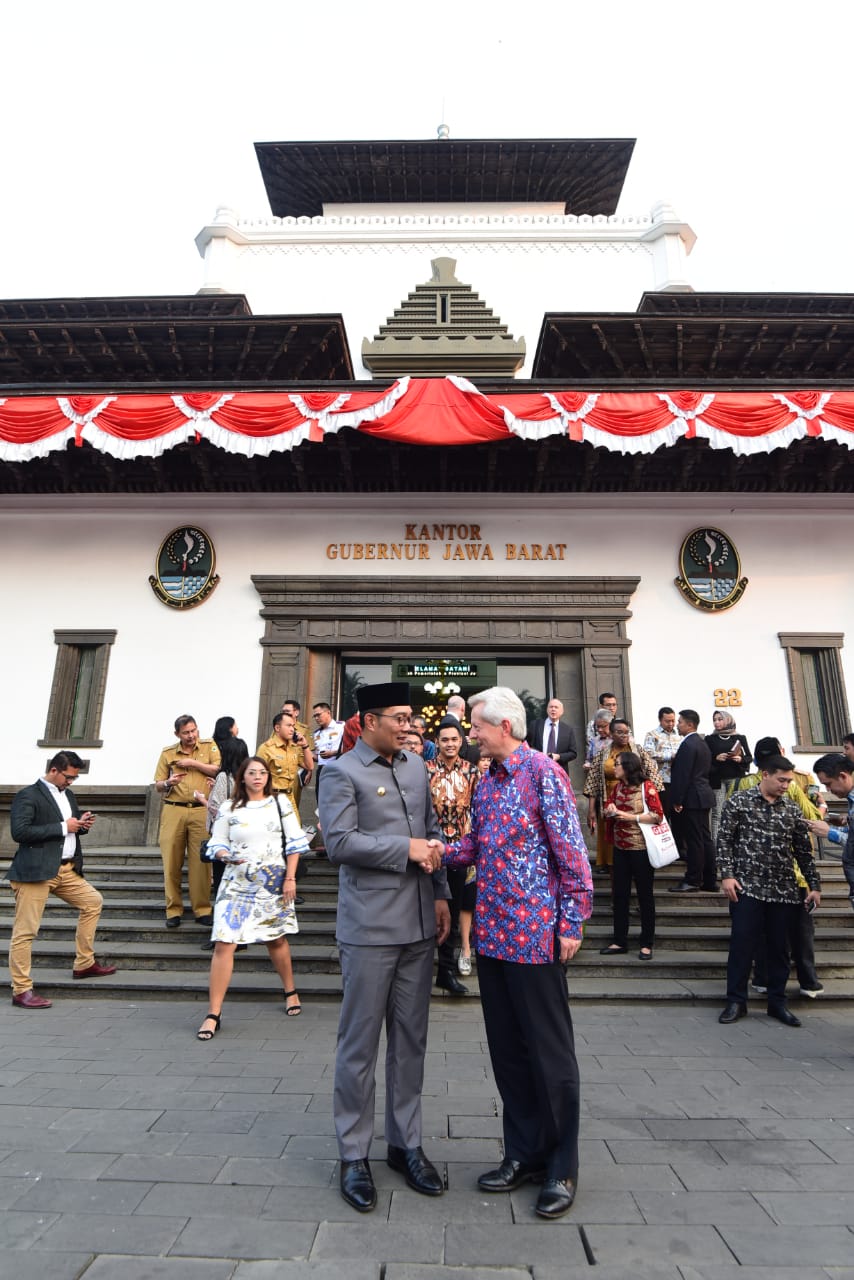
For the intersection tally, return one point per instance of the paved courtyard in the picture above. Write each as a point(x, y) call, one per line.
point(128, 1150)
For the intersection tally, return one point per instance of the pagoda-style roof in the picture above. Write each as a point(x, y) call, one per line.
point(443, 327)
point(586, 175)
point(693, 340)
point(72, 344)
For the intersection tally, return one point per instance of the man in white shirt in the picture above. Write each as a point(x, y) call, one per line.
point(327, 737)
point(47, 824)
point(662, 744)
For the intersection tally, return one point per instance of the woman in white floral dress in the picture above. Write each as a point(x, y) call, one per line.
point(260, 839)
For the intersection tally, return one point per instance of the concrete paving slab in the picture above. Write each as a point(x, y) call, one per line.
point(113, 1266)
point(633, 1247)
point(518, 1245)
point(789, 1246)
point(383, 1241)
point(64, 1195)
point(17, 1265)
point(242, 1238)
point(306, 1271)
point(131, 1233)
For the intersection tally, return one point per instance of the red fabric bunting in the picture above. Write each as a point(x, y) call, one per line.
point(428, 411)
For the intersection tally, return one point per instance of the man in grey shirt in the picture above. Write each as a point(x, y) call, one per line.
point(380, 828)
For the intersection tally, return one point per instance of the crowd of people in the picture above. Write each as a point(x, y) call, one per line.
point(468, 842)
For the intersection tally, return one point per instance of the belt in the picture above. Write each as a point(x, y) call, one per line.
point(186, 804)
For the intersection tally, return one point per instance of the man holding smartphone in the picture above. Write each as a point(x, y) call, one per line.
point(761, 835)
point(47, 824)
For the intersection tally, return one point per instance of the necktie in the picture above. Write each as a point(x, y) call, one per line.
point(552, 748)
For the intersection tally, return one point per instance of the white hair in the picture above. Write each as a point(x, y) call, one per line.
point(457, 701)
point(500, 703)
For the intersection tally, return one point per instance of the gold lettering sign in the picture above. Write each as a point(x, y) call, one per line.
point(460, 542)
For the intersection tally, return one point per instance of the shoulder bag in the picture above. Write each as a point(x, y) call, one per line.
point(658, 838)
point(302, 869)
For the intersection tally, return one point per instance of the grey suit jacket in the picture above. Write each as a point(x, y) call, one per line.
point(369, 811)
point(36, 824)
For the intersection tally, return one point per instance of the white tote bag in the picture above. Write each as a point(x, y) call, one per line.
point(660, 845)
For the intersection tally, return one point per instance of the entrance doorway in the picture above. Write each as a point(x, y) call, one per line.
point(565, 636)
point(433, 679)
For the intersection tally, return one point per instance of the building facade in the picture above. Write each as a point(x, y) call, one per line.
point(533, 528)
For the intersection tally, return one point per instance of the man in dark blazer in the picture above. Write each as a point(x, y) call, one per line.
point(378, 822)
point(47, 824)
point(691, 801)
point(551, 736)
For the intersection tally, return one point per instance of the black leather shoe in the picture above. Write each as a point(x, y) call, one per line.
point(555, 1198)
point(207, 921)
point(733, 1012)
point(173, 922)
point(419, 1173)
point(448, 982)
point(357, 1185)
point(509, 1175)
point(784, 1015)
point(684, 887)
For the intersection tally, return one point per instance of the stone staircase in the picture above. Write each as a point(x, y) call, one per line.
point(689, 963)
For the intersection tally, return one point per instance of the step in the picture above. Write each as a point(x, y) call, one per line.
point(171, 958)
point(137, 985)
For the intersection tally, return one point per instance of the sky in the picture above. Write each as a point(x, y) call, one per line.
point(126, 125)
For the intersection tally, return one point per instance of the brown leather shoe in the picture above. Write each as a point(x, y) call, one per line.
point(94, 971)
point(29, 1000)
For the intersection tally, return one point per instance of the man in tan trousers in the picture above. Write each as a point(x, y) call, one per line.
point(47, 824)
point(184, 767)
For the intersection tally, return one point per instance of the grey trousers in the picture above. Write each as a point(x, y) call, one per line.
point(388, 984)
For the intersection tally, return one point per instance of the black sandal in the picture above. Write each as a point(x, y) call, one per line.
point(205, 1033)
point(295, 1009)
point(613, 949)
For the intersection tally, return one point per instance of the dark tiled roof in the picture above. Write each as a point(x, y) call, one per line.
point(585, 174)
point(672, 346)
point(130, 343)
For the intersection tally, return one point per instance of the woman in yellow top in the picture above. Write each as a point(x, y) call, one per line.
point(602, 779)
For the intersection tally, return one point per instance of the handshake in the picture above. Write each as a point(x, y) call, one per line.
point(427, 853)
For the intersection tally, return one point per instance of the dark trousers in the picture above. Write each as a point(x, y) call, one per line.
point(445, 951)
point(800, 949)
point(749, 916)
point(532, 1048)
point(694, 839)
point(632, 864)
point(664, 797)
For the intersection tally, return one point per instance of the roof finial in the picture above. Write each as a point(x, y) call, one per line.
point(444, 130)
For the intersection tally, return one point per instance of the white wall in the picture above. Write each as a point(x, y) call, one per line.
point(85, 562)
point(521, 264)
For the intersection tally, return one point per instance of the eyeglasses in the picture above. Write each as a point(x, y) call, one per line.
point(70, 777)
point(399, 720)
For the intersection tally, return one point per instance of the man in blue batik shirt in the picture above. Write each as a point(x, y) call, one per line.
point(534, 892)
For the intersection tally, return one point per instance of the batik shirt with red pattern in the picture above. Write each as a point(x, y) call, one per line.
point(533, 876)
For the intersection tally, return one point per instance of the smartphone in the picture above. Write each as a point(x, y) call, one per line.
point(811, 905)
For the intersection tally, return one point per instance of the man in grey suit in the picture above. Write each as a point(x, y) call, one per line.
point(380, 828)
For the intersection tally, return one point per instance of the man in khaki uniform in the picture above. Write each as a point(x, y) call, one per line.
point(285, 752)
point(292, 708)
point(184, 767)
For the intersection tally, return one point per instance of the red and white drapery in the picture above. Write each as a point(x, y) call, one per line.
point(423, 411)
